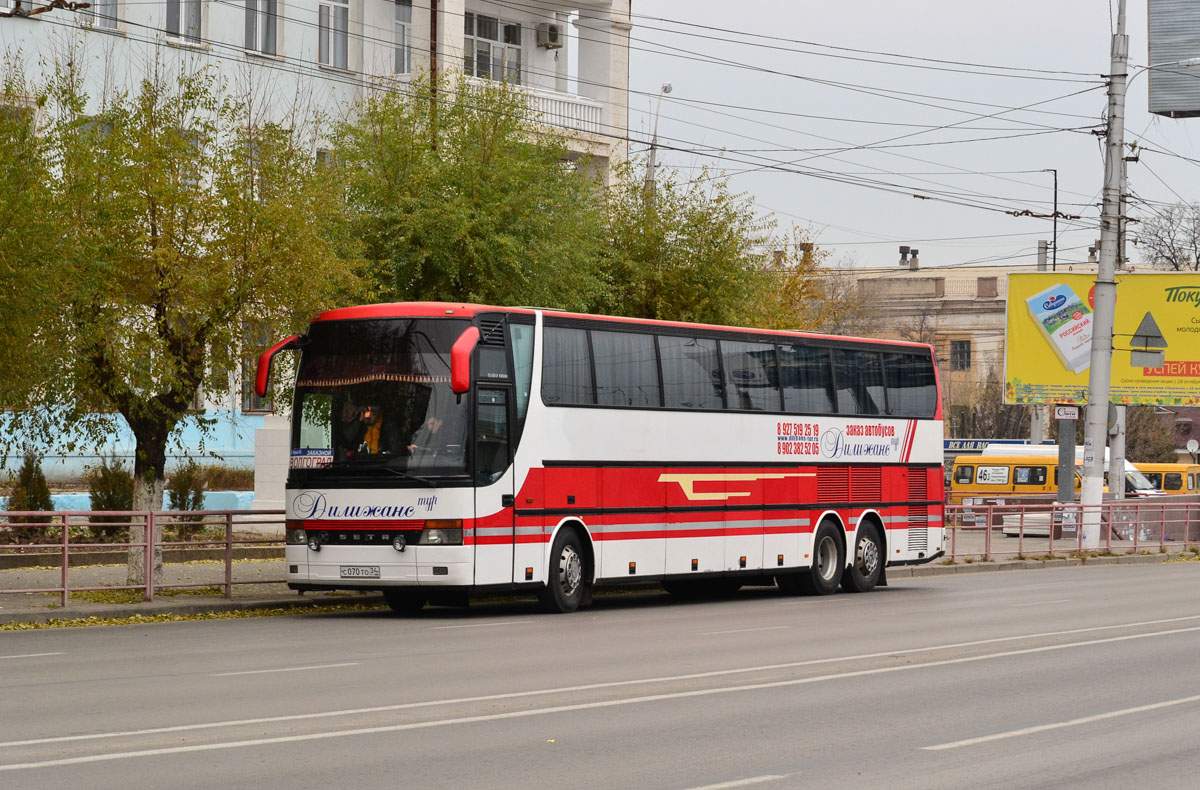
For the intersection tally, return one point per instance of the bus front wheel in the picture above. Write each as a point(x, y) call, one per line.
point(828, 561)
point(565, 584)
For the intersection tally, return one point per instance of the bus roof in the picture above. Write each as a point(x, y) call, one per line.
point(469, 310)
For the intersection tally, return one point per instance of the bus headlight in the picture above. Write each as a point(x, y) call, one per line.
point(398, 543)
point(442, 532)
point(295, 536)
point(315, 539)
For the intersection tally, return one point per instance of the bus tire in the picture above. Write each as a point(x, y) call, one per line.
point(828, 561)
point(565, 583)
point(402, 600)
point(866, 567)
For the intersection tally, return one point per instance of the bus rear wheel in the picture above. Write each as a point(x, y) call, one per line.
point(565, 586)
point(404, 601)
point(867, 565)
point(828, 561)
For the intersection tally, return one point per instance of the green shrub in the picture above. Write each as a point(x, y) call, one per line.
point(28, 491)
point(186, 492)
point(218, 477)
point(110, 486)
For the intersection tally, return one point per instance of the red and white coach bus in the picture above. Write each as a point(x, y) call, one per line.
point(442, 450)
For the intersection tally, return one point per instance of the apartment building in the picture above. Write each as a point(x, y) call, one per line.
point(570, 59)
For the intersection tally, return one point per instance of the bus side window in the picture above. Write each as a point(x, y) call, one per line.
point(963, 475)
point(1029, 475)
point(1172, 481)
point(1191, 482)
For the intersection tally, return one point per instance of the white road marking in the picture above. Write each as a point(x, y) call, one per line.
point(477, 625)
point(521, 714)
point(34, 655)
point(1060, 724)
point(283, 669)
point(752, 780)
point(745, 630)
point(1041, 603)
point(585, 687)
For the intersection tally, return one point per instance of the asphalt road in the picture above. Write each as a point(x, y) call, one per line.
point(1073, 677)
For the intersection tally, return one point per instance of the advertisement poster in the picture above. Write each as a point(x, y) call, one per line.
point(1048, 337)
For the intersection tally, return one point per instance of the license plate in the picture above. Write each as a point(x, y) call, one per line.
point(360, 571)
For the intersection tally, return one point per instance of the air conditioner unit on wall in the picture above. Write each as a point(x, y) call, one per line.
point(549, 35)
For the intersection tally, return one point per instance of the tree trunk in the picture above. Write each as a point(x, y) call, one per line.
point(149, 467)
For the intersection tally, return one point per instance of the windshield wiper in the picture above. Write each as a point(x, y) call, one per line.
point(407, 475)
point(366, 466)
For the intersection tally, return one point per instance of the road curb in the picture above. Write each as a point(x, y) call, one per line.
point(183, 608)
point(210, 605)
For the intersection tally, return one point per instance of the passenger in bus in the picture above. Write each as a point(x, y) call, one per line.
point(362, 427)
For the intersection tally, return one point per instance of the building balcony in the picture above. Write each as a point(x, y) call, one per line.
point(562, 110)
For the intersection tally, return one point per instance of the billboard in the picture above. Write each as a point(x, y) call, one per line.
point(1048, 333)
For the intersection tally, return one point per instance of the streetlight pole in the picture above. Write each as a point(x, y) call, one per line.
point(1105, 290)
point(650, 163)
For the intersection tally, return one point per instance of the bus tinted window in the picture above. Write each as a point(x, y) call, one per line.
point(859, 376)
point(911, 385)
point(626, 369)
point(751, 379)
point(804, 374)
point(691, 373)
point(1173, 481)
point(566, 367)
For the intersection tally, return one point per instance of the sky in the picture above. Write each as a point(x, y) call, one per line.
point(762, 94)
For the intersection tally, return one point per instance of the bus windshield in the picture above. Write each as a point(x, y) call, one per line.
point(374, 397)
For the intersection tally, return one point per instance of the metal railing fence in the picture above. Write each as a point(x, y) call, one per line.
point(64, 535)
point(1020, 530)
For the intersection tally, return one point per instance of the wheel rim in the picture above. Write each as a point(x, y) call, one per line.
point(570, 570)
point(868, 557)
point(826, 556)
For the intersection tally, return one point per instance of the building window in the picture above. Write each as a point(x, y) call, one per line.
point(403, 26)
point(960, 354)
point(262, 26)
point(334, 33)
point(183, 19)
point(491, 48)
point(103, 14)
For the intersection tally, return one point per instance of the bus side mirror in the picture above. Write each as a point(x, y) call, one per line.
point(262, 377)
point(460, 360)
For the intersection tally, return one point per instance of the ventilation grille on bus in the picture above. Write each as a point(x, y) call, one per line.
point(918, 515)
point(918, 485)
point(491, 331)
point(866, 484)
point(833, 484)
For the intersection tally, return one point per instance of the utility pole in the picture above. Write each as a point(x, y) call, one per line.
point(1054, 216)
point(1096, 430)
point(1037, 414)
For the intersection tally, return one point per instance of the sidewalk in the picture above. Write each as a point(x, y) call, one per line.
point(263, 589)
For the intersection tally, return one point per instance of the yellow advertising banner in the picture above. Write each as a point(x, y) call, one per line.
point(1048, 338)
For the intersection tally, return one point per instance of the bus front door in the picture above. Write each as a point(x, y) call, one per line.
point(495, 532)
